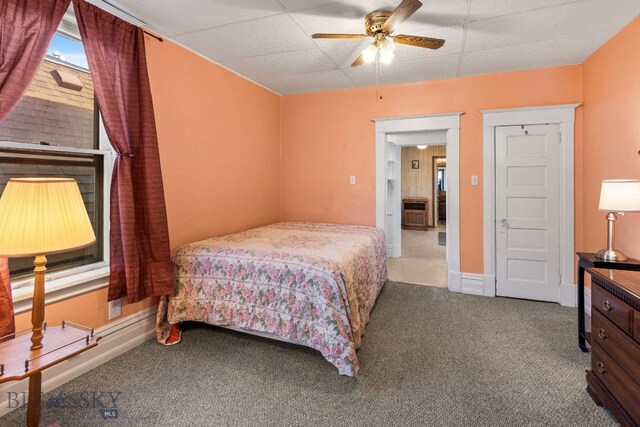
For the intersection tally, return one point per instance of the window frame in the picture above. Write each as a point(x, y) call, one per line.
point(74, 281)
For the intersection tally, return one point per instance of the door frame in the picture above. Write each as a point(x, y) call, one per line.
point(449, 122)
point(564, 116)
point(434, 167)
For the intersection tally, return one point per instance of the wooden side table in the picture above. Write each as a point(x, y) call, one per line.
point(59, 343)
point(588, 260)
point(415, 214)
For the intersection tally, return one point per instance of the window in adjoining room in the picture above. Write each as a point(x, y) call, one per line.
point(54, 131)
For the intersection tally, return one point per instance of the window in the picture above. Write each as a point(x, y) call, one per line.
point(55, 131)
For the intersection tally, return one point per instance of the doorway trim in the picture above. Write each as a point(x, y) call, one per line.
point(564, 116)
point(449, 122)
point(434, 165)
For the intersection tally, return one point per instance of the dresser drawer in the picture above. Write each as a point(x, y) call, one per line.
point(624, 350)
point(626, 391)
point(614, 309)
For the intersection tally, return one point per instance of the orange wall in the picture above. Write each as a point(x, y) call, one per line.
point(328, 136)
point(611, 96)
point(219, 139)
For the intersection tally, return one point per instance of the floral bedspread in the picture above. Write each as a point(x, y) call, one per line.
point(306, 283)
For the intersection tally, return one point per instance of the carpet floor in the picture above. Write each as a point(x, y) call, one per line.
point(429, 357)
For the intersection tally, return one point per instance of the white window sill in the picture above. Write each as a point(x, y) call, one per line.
point(61, 287)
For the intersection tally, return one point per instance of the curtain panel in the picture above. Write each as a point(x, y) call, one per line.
point(139, 237)
point(26, 29)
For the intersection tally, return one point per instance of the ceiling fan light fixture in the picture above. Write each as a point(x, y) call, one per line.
point(387, 45)
point(386, 56)
point(387, 49)
point(369, 54)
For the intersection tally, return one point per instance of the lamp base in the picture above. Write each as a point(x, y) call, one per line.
point(611, 255)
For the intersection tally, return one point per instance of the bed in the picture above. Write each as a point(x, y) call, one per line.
point(305, 283)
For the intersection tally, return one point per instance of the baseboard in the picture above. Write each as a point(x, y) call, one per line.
point(489, 285)
point(568, 294)
point(454, 281)
point(472, 283)
point(118, 337)
point(394, 251)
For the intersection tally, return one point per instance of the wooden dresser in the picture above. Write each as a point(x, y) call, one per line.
point(614, 378)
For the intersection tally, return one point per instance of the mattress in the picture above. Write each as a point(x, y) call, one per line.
point(305, 283)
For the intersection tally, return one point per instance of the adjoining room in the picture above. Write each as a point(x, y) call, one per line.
point(422, 181)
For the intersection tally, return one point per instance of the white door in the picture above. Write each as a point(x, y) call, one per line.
point(527, 212)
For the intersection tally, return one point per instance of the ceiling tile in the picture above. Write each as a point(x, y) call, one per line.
point(293, 5)
point(177, 17)
point(570, 50)
point(274, 34)
point(482, 9)
point(442, 67)
point(287, 63)
point(551, 23)
point(309, 82)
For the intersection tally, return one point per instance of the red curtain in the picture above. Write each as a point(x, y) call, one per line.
point(140, 254)
point(26, 29)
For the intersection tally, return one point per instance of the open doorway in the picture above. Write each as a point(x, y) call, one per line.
point(421, 184)
point(388, 197)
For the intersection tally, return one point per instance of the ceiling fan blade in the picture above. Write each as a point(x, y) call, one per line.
point(427, 42)
point(359, 61)
point(402, 12)
point(339, 36)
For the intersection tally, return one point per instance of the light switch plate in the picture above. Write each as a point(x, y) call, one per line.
point(352, 180)
point(474, 180)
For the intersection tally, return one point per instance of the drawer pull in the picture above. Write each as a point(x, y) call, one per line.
point(602, 334)
point(607, 306)
point(601, 368)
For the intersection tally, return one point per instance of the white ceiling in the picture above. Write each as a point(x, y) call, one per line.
point(269, 41)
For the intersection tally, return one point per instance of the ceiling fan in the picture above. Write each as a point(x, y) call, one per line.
point(380, 24)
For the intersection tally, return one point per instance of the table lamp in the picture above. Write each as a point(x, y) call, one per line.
point(41, 216)
point(617, 196)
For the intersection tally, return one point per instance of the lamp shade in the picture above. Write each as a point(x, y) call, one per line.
point(620, 195)
point(40, 216)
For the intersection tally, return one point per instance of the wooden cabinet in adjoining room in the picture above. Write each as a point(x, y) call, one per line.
point(414, 214)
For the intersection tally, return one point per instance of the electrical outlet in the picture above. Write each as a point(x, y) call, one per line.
point(115, 309)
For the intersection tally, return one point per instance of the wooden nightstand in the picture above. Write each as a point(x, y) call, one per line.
point(588, 260)
point(614, 378)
